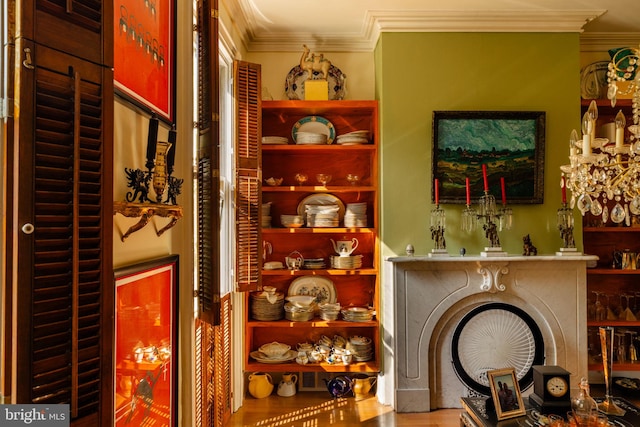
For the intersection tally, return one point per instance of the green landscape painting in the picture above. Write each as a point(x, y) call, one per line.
point(511, 144)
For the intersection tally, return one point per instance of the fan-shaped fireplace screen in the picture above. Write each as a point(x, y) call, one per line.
point(496, 336)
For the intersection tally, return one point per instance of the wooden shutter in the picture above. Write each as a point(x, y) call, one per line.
point(82, 28)
point(64, 306)
point(248, 198)
point(213, 369)
point(208, 164)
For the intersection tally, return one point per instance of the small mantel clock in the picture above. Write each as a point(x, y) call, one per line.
point(551, 389)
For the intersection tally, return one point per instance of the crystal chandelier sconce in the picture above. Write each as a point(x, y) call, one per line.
point(493, 219)
point(604, 177)
point(437, 226)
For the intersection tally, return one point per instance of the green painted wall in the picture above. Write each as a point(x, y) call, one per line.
point(418, 73)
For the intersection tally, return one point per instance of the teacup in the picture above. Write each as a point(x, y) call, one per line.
point(325, 340)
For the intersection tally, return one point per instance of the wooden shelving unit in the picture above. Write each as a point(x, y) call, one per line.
point(354, 287)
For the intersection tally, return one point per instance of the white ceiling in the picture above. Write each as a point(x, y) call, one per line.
point(354, 25)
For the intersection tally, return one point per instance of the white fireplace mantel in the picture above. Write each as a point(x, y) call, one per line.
point(425, 297)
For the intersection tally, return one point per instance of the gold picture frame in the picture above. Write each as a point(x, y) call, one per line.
point(506, 393)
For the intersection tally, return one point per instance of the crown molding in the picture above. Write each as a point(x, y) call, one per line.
point(380, 21)
point(602, 42)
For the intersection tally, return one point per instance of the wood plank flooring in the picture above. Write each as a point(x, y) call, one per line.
point(318, 409)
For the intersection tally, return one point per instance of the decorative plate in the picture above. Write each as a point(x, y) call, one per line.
point(294, 83)
point(593, 80)
point(314, 124)
point(320, 287)
point(321, 199)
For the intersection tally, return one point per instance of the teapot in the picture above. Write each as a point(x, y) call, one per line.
point(339, 386)
point(287, 386)
point(345, 247)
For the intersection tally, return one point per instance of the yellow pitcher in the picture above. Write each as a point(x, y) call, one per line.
point(260, 385)
point(362, 386)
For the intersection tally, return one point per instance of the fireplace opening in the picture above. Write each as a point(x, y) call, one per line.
point(496, 336)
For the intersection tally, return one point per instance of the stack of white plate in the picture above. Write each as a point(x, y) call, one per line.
point(346, 262)
point(314, 263)
point(355, 215)
point(329, 311)
point(361, 348)
point(265, 310)
point(311, 138)
point(353, 138)
point(299, 314)
point(274, 140)
point(266, 215)
point(322, 215)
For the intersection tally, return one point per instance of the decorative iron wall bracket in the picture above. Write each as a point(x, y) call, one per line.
point(146, 211)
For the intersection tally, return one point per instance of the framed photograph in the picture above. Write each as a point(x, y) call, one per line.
point(143, 57)
point(146, 343)
point(509, 143)
point(506, 393)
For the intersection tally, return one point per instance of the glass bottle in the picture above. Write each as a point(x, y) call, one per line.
point(583, 406)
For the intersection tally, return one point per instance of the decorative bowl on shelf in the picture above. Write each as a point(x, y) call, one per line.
point(291, 221)
point(353, 179)
point(301, 178)
point(274, 349)
point(274, 182)
point(323, 178)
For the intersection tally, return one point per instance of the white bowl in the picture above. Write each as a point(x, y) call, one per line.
point(301, 300)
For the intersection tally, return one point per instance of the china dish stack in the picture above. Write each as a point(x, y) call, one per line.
point(310, 138)
point(322, 215)
point(267, 306)
point(355, 215)
point(329, 311)
point(354, 138)
point(274, 140)
point(299, 313)
point(346, 262)
point(266, 215)
point(361, 348)
point(357, 314)
point(313, 264)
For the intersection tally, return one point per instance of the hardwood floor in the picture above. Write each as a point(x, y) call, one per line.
point(318, 409)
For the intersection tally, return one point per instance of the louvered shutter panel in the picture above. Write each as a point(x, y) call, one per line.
point(82, 28)
point(248, 198)
point(213, 369)
point(208, 164)
point(65, 287)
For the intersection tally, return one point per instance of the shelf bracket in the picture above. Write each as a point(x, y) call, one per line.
point(146, 211)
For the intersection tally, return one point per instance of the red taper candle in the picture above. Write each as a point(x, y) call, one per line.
point(504, 193)
point(437, 190)
point(468, 191)
point(484, 177)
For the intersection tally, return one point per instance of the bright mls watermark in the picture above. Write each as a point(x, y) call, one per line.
point(39, 415)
